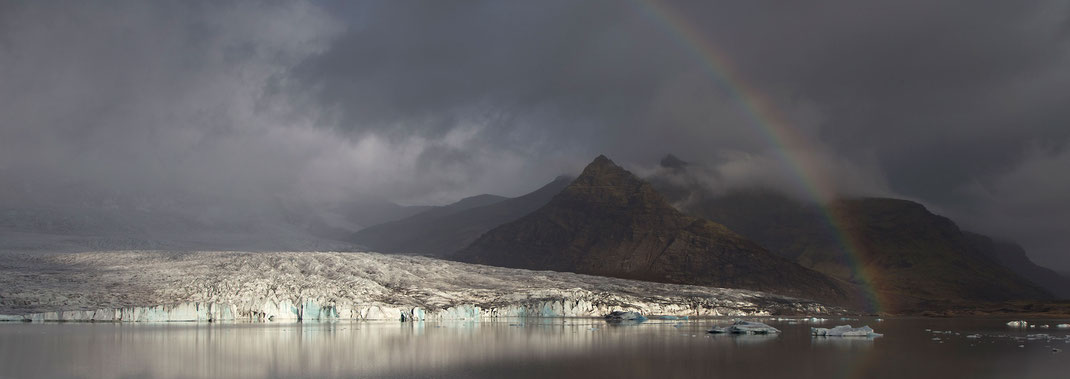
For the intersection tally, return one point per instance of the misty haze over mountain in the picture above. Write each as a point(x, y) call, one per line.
point(311, 120)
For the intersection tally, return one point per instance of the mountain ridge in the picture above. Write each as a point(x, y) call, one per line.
point(444, 230)
point(916, 259)
point(608, 222)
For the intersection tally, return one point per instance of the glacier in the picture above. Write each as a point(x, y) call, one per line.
point(164, 286)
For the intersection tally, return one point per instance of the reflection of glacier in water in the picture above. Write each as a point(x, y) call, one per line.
point(560, 348)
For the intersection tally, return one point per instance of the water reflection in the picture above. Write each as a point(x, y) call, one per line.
point(511, 348)
point(843, 342)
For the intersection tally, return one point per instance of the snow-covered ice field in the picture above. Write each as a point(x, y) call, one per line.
point(219, 286)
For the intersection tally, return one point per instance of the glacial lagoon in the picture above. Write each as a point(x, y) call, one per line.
point(532, 348)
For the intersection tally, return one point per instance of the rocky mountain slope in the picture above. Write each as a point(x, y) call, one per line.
point(916, 260)
point(610, 223)
point(444, 230)
point(1012, 256)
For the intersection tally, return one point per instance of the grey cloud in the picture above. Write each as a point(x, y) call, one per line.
point(945, 102)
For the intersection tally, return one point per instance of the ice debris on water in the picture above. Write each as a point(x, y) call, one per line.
point(1063, 326)
point(973, 336)
point(1017, 324)
point(745, 327)
point(844, 331)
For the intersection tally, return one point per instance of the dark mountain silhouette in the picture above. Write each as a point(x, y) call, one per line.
point(1012, 256)
point(916, 260)
point(443, 230)
point(610, 223)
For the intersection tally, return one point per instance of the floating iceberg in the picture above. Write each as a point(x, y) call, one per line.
point(1063, 326)
point(745, 327)
point(1018, 324)
point(621, 316)
point(844, 331)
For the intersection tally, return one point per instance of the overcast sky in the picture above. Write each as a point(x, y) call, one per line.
point(962, 105)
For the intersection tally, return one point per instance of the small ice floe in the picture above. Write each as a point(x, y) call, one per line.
point(1045, 326)
point(818, 319)
point(745, 327)
point(1063, 326)
point(673, 317)
point(879, 320)
point(844, 331)
point(1017, 324)
point(620, 316)
point(1021, 345)
point(1039, 336)
point(1056, 350)
point(974, 336)
point(936, 338)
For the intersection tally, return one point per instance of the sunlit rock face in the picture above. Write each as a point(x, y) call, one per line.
point(149, 286)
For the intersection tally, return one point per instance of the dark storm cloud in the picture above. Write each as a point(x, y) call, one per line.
point(959, 104)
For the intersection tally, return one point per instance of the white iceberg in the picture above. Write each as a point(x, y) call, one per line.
point(1063, 326)
point(1018, 324)
point(844, 331)
point(745, 327)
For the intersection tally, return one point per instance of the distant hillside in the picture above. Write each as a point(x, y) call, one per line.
point(1013, 257)
point(916, 259)
point(608, 222)
point(443, 230)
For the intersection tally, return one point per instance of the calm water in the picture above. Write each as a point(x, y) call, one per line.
point(525, 348)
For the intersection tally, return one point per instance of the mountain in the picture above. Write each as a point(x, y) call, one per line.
point(1012, 256)
point(362, 213)
point(443, 230)
point(608, 222)
point(915, 260)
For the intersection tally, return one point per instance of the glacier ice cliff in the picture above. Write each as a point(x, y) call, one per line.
point(155, 286)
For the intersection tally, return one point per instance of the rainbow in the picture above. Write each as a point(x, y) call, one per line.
point(787, 140)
